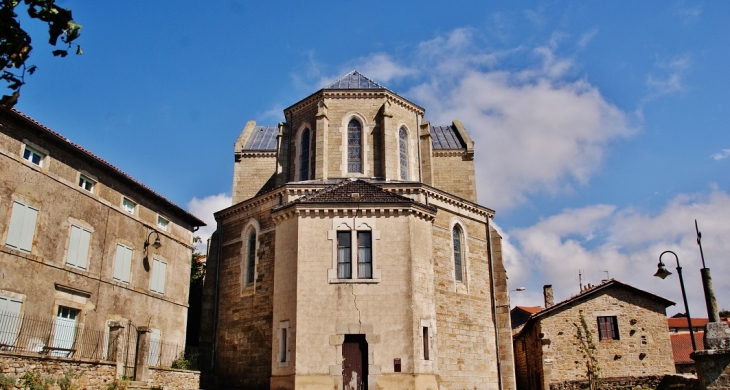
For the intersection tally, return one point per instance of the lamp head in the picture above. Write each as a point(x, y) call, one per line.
point(157, 243)
point(662, 271)
point(520, 289)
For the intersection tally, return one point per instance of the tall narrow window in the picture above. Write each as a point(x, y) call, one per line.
point(304, 156)
point(403, 147)
point(344, 255)
point(157, 281)
point(251, 261)
point(364, 255)
point(354, 146)
point(425, 343)
point(457, 253)
point(22, 227)
point(282, 346)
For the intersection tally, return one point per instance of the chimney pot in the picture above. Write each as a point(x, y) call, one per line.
point(547, 291)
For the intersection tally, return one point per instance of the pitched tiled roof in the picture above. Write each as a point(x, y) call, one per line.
point(354, 191)
point(262, 138)
point(529, 309)
point(681, 322)
point(682, 346)
point(446, 137)
point(191, 219)
point(354, 80)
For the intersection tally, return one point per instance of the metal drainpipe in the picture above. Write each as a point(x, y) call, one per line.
point(219, 251)
point(494, 302)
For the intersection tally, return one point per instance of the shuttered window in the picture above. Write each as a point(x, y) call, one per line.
point(122, 263)
point(22, 227)
point(9, 319)
point(78, 247)
point(157, 282)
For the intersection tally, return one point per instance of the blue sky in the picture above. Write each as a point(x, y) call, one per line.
point(601, 127)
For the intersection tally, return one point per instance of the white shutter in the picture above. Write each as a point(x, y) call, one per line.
point(73, 245)
point(22, 227)
point(155, 338)
point(157, 282)
point(83, 252)
point(10, 319)
point(122, 263)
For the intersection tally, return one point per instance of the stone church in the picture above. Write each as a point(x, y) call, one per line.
point(355, 255)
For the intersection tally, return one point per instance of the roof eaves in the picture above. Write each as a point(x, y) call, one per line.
point(193, 220)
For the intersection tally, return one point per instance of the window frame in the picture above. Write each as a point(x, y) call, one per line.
point(125, 200)
point(458, 253)
point(83, 179)
point(33, 151)
point(284, 337)
point(344, 233)
point(251, 244)
point(166, 223)
point(304, 160)
point(608, 328)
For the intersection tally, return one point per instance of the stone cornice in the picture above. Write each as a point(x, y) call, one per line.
point(450, 153)
point(348, 210)
point(254, 154)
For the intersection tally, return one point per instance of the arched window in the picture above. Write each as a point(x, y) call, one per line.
point(403, 147)
point(457, 253)
point(304, 156)
point(354, 146)
point(251, 257)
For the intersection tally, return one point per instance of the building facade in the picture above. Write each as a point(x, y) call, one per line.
point(628, 327)
point(355, 255)
point(83, 245)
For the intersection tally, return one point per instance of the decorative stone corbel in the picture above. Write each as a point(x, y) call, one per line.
point(386, 109)
point(321, 110)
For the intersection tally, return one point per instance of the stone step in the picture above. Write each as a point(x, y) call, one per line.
point(138, 385)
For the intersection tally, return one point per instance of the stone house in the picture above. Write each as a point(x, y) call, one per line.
point(355, 255)
point(84, 246)
point(628, 326)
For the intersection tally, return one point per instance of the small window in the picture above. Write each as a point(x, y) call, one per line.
point(22, 227)
point(457, 254)
point(157, 282)
point(86, 183)
point(282, 346)
point(162, 223)
point(33, 156)
point(608, 328)
point(78, 247)
point(122, 263)
point(425, 343)
point(128, 205)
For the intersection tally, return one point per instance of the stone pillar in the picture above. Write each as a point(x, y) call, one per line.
point(389, 157)
point(116, 346)
point(141, 371)
point(321, 144)
point(713, 368)
point(426, 153)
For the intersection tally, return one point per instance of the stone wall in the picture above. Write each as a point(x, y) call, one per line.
point(169, 379)
point(658, 382)
point(454, 173)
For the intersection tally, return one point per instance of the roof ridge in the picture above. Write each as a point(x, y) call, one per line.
point(354, 72)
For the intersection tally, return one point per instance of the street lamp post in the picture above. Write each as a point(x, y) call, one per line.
point(662, 272)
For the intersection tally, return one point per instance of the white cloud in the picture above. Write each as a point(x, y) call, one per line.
point(587, 37)
point(552, 131)
point(725, 153)
point(204, 209)
point(626, 243)
point(669, 75)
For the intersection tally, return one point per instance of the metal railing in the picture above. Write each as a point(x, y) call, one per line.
point(55, 337)
point(172, 355)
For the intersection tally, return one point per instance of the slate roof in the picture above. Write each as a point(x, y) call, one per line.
point(446, 137)
point(354, 80)
point(262, 138)
point(682, 346)
point(343, 191)
point(191, 219)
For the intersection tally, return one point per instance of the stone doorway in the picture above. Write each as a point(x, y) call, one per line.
point(355, 362)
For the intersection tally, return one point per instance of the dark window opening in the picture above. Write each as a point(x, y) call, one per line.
point(608, 328)
point(425, 343)
point(251, 265)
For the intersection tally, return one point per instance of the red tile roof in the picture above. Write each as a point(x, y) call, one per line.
point(682, 346)
point(681, 322)
point(529, 309)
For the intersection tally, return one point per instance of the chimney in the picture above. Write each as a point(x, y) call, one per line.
point(547, 291)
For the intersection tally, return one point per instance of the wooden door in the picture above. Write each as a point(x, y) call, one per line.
point(355, 362)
